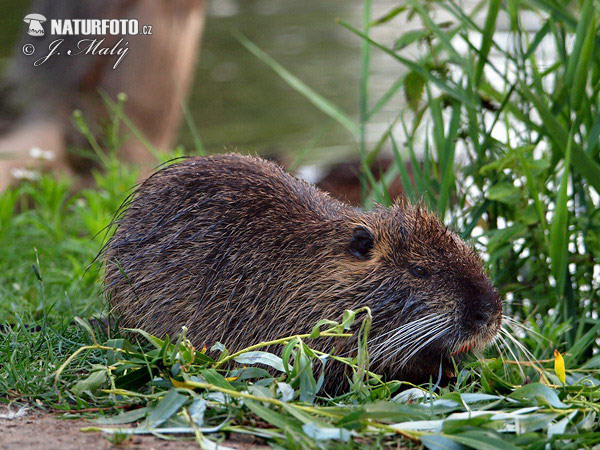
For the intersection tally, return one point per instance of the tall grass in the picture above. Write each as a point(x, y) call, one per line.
point(525, 125)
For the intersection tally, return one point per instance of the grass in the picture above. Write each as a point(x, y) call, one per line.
point(525, 193)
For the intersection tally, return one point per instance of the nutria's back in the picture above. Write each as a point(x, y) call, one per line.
point(240, 252)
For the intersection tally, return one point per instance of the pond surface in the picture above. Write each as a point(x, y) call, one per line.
point(239, 103)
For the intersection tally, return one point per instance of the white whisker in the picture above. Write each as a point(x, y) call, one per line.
point(512, 353)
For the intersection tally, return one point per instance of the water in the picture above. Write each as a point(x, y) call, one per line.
point(240, 103)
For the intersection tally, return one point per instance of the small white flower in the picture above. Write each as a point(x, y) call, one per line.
point(38, 153)
point(25, 174)
point(12, 415)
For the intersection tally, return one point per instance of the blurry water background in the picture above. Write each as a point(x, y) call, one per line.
point(239, 103)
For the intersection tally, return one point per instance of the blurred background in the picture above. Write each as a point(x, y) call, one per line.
point(235, 101)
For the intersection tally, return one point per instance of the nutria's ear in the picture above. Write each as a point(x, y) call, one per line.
point(361, 243)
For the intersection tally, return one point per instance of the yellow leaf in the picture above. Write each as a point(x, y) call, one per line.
point(181, 384)
point(559, 367)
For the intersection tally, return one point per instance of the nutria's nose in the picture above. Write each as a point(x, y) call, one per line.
point(485, 310)
point(481, 318)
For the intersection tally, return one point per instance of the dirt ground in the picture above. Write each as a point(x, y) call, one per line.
point(49, 431)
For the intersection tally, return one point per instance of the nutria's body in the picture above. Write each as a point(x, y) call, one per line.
point(241, 252)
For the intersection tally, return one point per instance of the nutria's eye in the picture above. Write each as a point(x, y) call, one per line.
point(419, 271)
point(361, 243)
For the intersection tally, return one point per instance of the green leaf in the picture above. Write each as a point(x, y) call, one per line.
point(197, 410)
point(444, 38)
point(499, 237)
point(390, 15)
point(168, 405)
point(447, 168)
point(477, 397)
point(583, 63)
point(410, 37)
point(437, 442)
point(414, 85)
point(258, 357)
point(593, 363)
point(134, 379)
point(318, 433)
point(434, 426)
point(273, 417)
point(445, 85)
point(158, 343)
point(582, 344)
point(504, 192)
point(540, 393)
point(128, 417)
point(392, 411)
point(92, 382)
point(82, 322)
point(583, 25)
point(552, 127)
point(407, 187)
point(213, 377)
point(533, 422)
point(497, 165)
point(539, 36)
point(452, 426)
point(482, 440)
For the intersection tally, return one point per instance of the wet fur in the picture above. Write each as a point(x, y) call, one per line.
point(240, 252)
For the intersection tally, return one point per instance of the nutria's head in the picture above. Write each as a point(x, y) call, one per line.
point(428, 291)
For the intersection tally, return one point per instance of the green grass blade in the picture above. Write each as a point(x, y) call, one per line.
point(447, 86)
point(580, 37)
point(363, 95)
point(315, 98)
point(582, 344)
point(189, 121)
point(557, 10)
point(559, 228)
point(436, 30)
point(537, 39)
point(533, 190)
point(447, 175)
point(385, 97)
point(581, 161)
point(487, 37)
point(390, 15)
point(583, 64)
point(401, 165)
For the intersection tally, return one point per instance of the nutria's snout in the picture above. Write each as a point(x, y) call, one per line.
point(483, 310)
point(240, 252)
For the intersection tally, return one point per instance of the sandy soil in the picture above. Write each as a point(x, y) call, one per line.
point(49, 432)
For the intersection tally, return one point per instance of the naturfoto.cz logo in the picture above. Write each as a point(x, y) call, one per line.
point(84, 27)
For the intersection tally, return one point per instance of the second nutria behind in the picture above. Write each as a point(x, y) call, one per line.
point(240, 252)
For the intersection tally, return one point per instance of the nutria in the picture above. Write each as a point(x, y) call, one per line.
point(240, 252)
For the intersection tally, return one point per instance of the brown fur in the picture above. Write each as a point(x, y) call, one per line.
point(241, 252)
